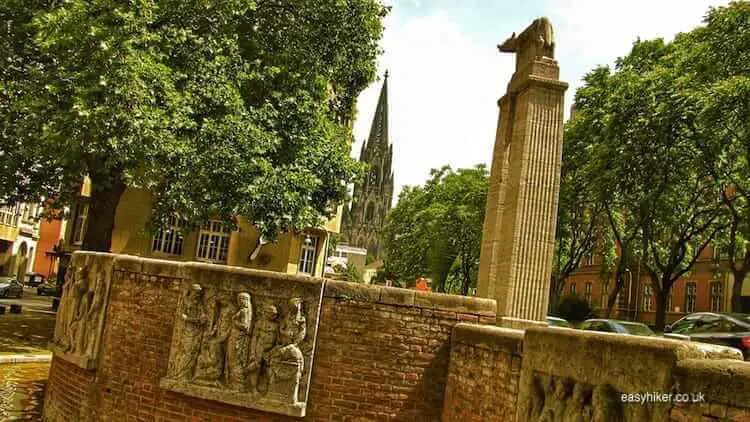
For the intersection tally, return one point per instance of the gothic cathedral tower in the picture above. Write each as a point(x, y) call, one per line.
point(373, 196)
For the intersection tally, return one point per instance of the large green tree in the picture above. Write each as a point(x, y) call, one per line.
point(663, 206)
point(716, 58)
point(438, 227)
point(219, 108)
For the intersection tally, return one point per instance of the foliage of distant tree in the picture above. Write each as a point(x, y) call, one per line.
point(351, 273)
point(219, 108)
point(436, 225)
point(579, 215)
point(574, 309)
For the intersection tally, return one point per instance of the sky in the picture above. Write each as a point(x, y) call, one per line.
point(446, 73)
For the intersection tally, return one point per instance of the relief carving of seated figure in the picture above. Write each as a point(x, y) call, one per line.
point(264, 338)
point(286, 362)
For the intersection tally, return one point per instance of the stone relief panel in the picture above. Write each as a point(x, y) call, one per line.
point(83, 306)
point(245, 340)
point(562, 399)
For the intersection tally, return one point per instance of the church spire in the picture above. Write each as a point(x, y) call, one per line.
point(379, 128)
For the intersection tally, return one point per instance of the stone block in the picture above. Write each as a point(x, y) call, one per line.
point(397, 296)
point(487, 336)
point(128, 263)
point(352, 291)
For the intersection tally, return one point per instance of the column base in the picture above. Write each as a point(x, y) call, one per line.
point(518, 323)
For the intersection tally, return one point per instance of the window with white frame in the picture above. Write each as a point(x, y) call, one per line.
point(587, 292)
point(307, 255)
point(81, 221)
point(717, 294)
point(590, 258)
point(573, 290)
point(690, 294)
point(648, 298)
point(8, 216)
point(213, 242)
point(169, 239)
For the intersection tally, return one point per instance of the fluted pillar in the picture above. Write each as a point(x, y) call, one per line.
point(519, 227)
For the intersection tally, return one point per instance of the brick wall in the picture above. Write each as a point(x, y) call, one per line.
point(485, 366)
point(382, 354)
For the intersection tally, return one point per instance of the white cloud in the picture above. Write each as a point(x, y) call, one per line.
point(446, 79)
point(594, 32)
point(443, 90)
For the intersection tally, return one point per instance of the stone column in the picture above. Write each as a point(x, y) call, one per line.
point(519, 227)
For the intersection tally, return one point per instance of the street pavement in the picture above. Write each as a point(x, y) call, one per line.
point(22, 391)
point(30, 301)
point(25, 336)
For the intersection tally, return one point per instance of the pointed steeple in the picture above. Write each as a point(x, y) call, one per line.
point(379, 129)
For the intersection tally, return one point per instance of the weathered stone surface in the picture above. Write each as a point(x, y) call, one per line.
point(519, 227)
point(489, 337)
point(485, 365)
point(245, 339)
point(83, 306)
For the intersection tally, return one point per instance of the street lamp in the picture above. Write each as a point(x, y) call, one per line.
point(630, 288)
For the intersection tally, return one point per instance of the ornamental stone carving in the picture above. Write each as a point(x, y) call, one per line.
point(245, 340)
point(80, 318)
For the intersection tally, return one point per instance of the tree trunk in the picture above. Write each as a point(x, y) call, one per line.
point(661, 308)
point(739, 278)
point(558, 285)
point(101, 217)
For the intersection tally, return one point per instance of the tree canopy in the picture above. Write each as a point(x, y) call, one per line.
point(219, 108)
point(438, 227)
point(666, 142)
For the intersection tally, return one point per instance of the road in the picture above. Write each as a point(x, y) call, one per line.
point(30, 301)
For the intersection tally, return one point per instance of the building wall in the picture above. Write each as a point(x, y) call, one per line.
point(631, 306)
point(382, 354)
point(50, 233)
point(130, 236)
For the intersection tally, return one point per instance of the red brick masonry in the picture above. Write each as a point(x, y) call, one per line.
point(382, 354)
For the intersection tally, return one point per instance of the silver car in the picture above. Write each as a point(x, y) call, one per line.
point(10, 287)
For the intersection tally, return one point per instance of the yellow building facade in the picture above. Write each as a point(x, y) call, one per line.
point(292, 253)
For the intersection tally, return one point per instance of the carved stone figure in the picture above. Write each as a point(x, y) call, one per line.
point(286, 362)
point(574, 408)
point(539, 32)
point(211, 361)
point(606, 406)
point(62, 323)
point(239, 343)
point(92, 316)
point(243, 341)
point(78, 321)
point(264, 338)
point(193, 320)
point(294, 326)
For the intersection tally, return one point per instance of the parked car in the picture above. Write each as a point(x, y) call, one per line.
point(557, 322)
point(616, 326)
point(10, 287)
point(47, 289)
point(726, 329)
point(34, 279)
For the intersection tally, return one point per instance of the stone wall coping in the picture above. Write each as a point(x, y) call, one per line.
point(489, 337)
point(680, 349)
point(724, 381)
point(333, 288)
point(409, 298)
